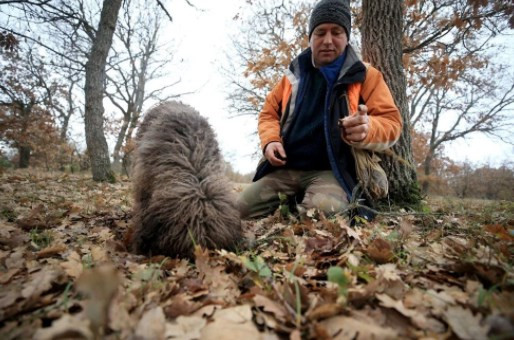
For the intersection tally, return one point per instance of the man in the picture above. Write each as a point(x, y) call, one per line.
point(307, 149)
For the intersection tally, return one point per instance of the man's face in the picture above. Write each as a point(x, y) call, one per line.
point(328, 41)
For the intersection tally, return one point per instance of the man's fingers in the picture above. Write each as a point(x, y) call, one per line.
point(357, 129)
point(274, 152)
point(356, 134)
point(355, 120)
point(275, 161)
point(362, 110)
point(281, 152)
point(356, 137)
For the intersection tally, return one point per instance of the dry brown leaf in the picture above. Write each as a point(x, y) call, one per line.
point(438, 301)
point(288, 291)
point(270, 306)
point(207, 311)
point(67, 327)
point(73, 266)
point(180, 305)
point(119, 318)
point(6, 230)
point(298, 268)
point(325, 311)
point(295, 335)
point(499, 231)
point(380, 251)
point(319, 244)
point(185, 328)
point(8, 297)
point(405, 230)
point(503, 302)
point(35, 220)
point(99, 254)
point(233, 323)
point(152, 325)
point(42, 281)
point(51, 251)
point(7, 276)
point(346, 328)
point(388, 272)
point(389, 281)
point(352, 232)
point(465, 324)
point(16, 259)
point(221, 285)
point(492, 274)
point(416, 317)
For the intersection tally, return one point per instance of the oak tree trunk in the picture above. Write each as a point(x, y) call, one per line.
point(382, 33)
point(427, 167)
point(94, 91)
point(24, 154)
point(66, 115)
point(121, 138)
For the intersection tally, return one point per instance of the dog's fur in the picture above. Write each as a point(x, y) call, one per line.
point(181, 196)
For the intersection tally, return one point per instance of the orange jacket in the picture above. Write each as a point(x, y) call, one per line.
point(385, 122)
point(356, 83)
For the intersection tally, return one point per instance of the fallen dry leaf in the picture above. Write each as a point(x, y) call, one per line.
point(7, 298)
point(388, 281)
point(325, 311)
point(185, 328)
point(319, 244)
point(233, 323)
point(420, 320)
point(73, 266)
point(16, 260)
point(353, 232)
point(152, 325)
point(220, 284)
point(67, 327)
point(380, 251)
point(99, 254)
point(465, 324)
point(270, 306)
point(180, 305)
point(50, 251)
point(42, 281)
point(7, 276)
point(346, 328)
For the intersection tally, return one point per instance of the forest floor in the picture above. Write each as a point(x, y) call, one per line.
point(65, 272)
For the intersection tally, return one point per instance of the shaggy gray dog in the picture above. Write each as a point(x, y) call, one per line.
point(181, 196)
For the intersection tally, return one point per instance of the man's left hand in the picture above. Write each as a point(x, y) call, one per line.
point(355, 128)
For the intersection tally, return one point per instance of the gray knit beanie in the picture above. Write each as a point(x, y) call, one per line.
point(331, 11)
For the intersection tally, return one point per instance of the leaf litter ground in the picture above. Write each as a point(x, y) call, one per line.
point(65, 272)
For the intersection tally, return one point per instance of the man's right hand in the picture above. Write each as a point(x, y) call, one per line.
point(275, 154)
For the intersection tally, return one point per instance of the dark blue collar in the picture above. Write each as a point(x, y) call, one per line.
point(331, 71)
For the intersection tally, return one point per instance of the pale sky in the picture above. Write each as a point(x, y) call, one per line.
point(202, 38)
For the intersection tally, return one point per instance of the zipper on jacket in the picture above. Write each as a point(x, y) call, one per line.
point(331, 156)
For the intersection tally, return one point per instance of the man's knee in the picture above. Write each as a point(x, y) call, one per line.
point(330, 203)
point(243, 206)
point(257, 199)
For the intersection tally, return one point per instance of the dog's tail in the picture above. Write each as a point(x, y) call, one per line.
point(181, 196)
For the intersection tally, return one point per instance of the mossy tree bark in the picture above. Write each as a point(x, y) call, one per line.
point(382, 32)
point(94, 92)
